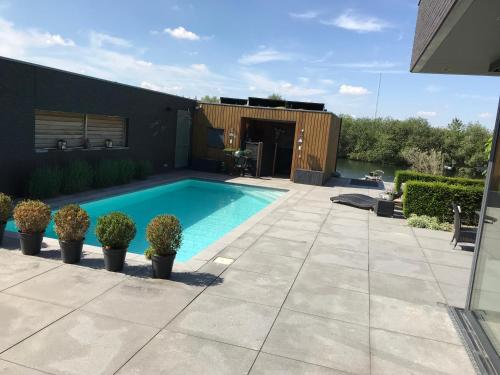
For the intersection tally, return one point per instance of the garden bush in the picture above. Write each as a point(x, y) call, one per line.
point(106, 173)
point(71, 223)
point(164, 234)
point(428, 222)
point(143, 169)
point(45, 182)
point(5, 207)
point(126, 170)
point(77, 176)
point(435, 198)
point(31, 216)
point(115, 230)
point(404, 176)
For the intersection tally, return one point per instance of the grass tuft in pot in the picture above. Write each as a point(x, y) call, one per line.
point(71, 224)
point(115, 231)
point(5, 212)
point(31, 218)
point(164, 234)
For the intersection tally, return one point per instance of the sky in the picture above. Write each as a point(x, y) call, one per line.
point(330, 51)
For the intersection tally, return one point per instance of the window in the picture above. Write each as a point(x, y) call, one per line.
point(215, 138)
point(75, 128)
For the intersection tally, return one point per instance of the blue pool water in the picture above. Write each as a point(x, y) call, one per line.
point(206, 210)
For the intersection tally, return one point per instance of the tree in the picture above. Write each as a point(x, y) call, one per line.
point(210, 99)
point(275, 96)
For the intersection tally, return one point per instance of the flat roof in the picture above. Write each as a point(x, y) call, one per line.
point(270, 108)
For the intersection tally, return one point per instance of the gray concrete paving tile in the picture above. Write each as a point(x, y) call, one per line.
point(392, 249)
point(281, 246)
point(342, 241)
point(227, 320)
point(451, 275)
point(401, 267)
point(320, 341)
point(437, 234)
point(455, 296)
point(344, 230)
point(334, 276)
point(291, 234)
point(81, 343)
point(173, 353)
point(258, 228)
point(390, 228)
point(252, 287)
point(8, 368)
point(298, 224)
point(67, 285)
point(449, 258)
point(21, 317)
point(304, 216)
point(394, 353)
point(435, 244)
point(245, 240)
point(354, 215)
point(431, 322)
point(407, 239)
point(405, 288)
point(268, 364)
point(269, 264)
point(159, 301)
point(231, 252)
point(326, 255)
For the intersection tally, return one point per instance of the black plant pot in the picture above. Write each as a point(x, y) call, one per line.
point(162, 266)
point(114, 259)
point(2, 230)
point(71, 251)
point(31, 243)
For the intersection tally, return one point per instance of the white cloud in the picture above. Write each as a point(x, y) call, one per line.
point(199, 67)
point(360, 24)
point(353, 90)
point(181, 33)
point(310, 14)
point(367, 65)
point(100, 39)
point(304, 79)
point(485, 115)
point(264, 56)
point(152, 86)
point(265, 86)
point(427, 114)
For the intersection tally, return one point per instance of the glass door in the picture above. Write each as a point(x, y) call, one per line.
point(484, 295)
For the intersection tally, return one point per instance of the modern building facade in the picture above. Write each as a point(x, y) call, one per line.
point(51, 117)
point(463, 37)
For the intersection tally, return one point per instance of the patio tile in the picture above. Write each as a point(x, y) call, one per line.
point(334, 303)
point(227, 320)
point(391, 249)
point(15, 268)
point(427, 321)
point(393, 236)
point(8, 368)
point(354, 215)
point(437, 234)
point(67, 285)
point(21, 317)
point(405, 288)
point(291, 234)
point(452, 258)
point(160, 301)
point(334, 276)
point(81, 343)
point(320, 341)
point(389, 228)
point(340, 241)
point(455, 296)
point(344, 230)
point(271, 218)
point(280, 246)
point(346, 221)
point(231, 252)
point(401, 267)
point(304, 216)
point(178, 354)
point(258, 228)
point(298, 224)
point(435, 244)
point(245, 240)
point(269, 264)
point(394, 353)
point(267, 364)
point(451, 275)
point(325, 255)
point(252, 287)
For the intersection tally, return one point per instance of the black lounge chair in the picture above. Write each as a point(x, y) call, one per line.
point(355, 200)
point(461, 234)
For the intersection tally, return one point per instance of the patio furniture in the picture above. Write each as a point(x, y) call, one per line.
point(355, 200)
point(375, 175)
point(461, 234)
point(241, 164)
point(384, 207)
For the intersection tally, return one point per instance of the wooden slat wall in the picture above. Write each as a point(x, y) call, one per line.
point(318, 150)
point(331, 156)
point(52, 126)
point(100, 128)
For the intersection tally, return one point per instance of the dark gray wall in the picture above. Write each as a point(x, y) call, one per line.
point(152, 119)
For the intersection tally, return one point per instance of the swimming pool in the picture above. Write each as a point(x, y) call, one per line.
point(207, 211)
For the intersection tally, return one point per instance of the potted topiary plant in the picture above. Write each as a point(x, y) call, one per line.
point(164, 234)
point(31, 218)
point(71, 224)
point(115, 231)
point(5, 212)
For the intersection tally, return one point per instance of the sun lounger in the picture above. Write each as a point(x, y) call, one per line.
point(355, 200)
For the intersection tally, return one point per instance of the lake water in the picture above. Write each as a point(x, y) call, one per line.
point(359, 169)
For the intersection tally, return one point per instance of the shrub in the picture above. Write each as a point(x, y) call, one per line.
point(143, 169)
point(5, 207)
point(404, 176)
point(105, 173)
point(78, 176)
point(115, 230)
point(424, 161)
point(164, 234)
point(126, 170)
point(435, 198)
point(71, 223)
point(428, 222)
point(45, 182)
point(32, 216)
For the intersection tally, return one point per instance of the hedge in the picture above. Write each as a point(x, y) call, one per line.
point(403, 176)
point(435, 198)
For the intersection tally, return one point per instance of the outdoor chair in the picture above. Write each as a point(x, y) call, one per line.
point(461, 234)
point(375, 175)
point(241, 164)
